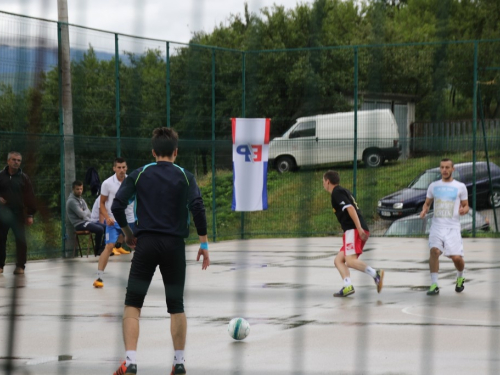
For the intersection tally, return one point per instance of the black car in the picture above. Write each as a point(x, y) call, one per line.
point(413, 225)
point(410, 200)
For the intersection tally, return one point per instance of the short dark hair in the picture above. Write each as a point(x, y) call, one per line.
point(76, 183)
point(333, 177)
point(119, 161)
point(164, 141)
point(447, 159)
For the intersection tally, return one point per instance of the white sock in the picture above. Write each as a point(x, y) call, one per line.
point(99, 274)
point(179, 357)
point(347, 281)
point(130, 356)
point(460, 274)
point(370, 271)
point(434, 277)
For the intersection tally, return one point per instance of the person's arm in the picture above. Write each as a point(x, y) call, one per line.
point(197, 209)
point(29, 200)
point(74, 207)
point(426, 206)
point(464, 207)
point(355, 218)
point(102, 210)
point(123, 196)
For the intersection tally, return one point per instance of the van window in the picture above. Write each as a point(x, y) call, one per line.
point(304, 129)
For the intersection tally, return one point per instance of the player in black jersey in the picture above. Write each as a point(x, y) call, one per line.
point(355, 234)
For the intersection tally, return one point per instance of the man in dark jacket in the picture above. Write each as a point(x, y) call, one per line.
point(16, 195)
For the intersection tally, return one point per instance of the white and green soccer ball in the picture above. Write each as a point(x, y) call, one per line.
point(238, 328)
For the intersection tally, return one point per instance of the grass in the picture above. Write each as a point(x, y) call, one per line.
point(298, 205)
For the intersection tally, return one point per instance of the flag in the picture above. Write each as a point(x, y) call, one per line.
point(250, 156)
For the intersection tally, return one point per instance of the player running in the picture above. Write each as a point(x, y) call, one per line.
point(450, 202)
point(355, 235)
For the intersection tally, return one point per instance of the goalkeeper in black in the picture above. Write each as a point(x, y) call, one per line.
point(164, 193)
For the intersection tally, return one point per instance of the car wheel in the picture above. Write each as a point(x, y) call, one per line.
point(373, 159)
point(285, 164)
point(494, 198)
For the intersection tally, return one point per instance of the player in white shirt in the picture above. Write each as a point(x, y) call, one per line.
point(108, 191)
point(450, 201)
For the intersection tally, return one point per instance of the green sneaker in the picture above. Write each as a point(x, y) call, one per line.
point(460, 284)
point(345, 291)
point(433, 290)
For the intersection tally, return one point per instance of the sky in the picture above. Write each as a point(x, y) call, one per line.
point(172, 20)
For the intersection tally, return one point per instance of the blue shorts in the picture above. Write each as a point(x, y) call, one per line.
point(113, 232)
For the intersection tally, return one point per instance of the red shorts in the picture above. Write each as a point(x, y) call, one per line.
point(352, 243)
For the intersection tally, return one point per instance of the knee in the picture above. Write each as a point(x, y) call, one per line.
point(435, 252)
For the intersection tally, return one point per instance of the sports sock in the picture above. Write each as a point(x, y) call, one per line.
point(118, 245)
point(178, 357)
point(434, 277)
point(347, 281)
point(460, 274)
point(130, 356)
point(370, 271)
point(99, 274)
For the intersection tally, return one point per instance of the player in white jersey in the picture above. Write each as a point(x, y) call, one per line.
point(450, 201)
point(108, 191)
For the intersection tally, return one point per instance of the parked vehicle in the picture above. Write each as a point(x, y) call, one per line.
point(411, 199)
point(326, 139)
point(413, 225)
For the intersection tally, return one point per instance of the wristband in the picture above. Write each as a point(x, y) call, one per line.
point(204, 245)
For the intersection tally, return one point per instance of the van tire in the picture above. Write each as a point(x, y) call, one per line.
point(285, 164)
point(373, 158)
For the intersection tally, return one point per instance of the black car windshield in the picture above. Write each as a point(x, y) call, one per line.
point(424, 180)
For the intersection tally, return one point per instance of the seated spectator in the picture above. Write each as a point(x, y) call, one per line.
point(79, 216)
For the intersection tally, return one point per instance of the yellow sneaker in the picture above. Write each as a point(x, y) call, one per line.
point(121, 250)
point(115, 251)
point(98, 283)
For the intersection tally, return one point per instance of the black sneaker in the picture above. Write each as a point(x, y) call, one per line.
point(129, 370)
point(345, 291)
point(178, 369)
point(433, 290)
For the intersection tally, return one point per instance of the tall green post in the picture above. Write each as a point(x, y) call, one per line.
point(214, 217)
point(168, 84)
point(355, 163)
point(474, 130)
point(243, 97)
point(117, 97)
point(61, 141)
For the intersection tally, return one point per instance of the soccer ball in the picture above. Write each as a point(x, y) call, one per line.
point(238, 328)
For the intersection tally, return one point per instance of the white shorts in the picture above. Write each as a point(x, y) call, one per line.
point(448, 240)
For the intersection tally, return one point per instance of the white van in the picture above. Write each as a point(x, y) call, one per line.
point(326, 139)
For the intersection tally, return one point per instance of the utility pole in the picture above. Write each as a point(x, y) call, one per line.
point(67, 114)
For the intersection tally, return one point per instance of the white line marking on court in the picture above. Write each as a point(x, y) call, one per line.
point(405, 310)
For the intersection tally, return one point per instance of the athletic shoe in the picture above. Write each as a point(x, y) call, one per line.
point(379, 280)
point(19, 271)
point(1, 270)
point(178, 369)
point(433, 290)
point(98, 283)
point(115, 251)
point(121, 250)
point(124, 370)
point(460, 284)
point(345, 291)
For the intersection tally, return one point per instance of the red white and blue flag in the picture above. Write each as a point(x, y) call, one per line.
point(250, 156)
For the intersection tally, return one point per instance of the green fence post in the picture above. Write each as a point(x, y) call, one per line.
point(243, 97)
point(214, 217)
point(355, 164)
point(474, 129)
point(168, 84)
point(61, 142)
point(117, 97)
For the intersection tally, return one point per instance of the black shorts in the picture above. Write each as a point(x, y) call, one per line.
point(169, 253)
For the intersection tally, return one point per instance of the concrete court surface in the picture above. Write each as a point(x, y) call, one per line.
point(284, 288)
